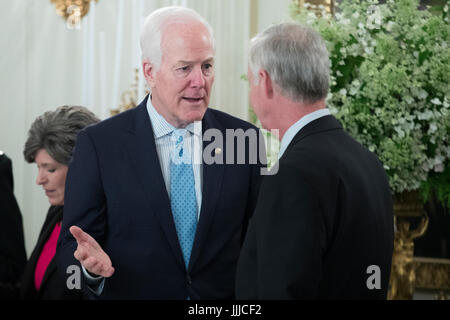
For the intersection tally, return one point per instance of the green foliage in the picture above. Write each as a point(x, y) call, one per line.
point(390, 67)
point(438, 184)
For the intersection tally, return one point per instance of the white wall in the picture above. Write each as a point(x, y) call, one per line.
point(272, 11)
point(45, 64)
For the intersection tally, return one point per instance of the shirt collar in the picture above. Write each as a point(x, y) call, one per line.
point(296, 127)
point(161, 127)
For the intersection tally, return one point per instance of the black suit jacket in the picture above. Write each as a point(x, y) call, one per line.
point(115, 192)
point(12, 248)
point(53, 286)
point(320, 222)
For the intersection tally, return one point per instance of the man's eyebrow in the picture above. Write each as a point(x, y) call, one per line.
point(189, 62)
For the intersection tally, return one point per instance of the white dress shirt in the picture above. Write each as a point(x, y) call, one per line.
point(296, 127)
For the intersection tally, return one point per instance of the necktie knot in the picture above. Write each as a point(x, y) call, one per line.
point(180, 152)
point(178, 135)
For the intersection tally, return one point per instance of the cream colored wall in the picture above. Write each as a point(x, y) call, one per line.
point(271, 11)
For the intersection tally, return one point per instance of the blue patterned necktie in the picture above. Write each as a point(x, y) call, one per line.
point(182, 194)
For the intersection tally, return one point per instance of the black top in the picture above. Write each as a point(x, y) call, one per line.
point(12, 248)
point(53, 286)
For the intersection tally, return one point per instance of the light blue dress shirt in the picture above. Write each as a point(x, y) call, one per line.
point(296, 127)
point(162, 131)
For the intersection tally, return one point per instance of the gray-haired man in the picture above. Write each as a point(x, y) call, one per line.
point(149, 226)
point(323, 224)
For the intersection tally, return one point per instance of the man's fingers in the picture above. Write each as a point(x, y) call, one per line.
point(77, 233)
point(109, 272)
point(82, 236)
point(80, 254)
point(90, 254)
point(94, 266)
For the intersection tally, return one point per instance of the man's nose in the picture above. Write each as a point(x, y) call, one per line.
point(197, 78)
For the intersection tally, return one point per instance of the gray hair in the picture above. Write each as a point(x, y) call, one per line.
point(56, 132)
point(296, 58)
point(155, 25)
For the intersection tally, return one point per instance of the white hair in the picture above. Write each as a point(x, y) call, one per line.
point(296, 58)
point(155, 25)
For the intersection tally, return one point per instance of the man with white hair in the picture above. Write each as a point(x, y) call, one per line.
point(323, 225)
point(142, 217)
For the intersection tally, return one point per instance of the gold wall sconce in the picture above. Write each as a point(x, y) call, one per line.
point(72, 10)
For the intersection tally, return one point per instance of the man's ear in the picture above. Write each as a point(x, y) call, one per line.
point(149, 73)
point(266, 83)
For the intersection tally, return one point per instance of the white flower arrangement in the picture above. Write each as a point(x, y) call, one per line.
point(389, 86)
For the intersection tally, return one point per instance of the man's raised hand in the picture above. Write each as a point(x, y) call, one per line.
point(90, 254)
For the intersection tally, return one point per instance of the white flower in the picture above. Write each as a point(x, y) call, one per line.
point(446, 105)
point(409, 99)
point(432, 128)
point(333, 110)
point(343, 92)
point(438, 164)
point(390, 25)
point(436, 101)
point(422, 94)
point(311, 15)
point(368, 50)
point(427, 115)
point(400, 132)
point(345, 21)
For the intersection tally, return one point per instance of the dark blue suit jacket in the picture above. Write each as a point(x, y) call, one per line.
point(115, 192)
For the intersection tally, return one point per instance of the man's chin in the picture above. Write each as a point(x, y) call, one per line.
point(196, 113)
point(197, 116)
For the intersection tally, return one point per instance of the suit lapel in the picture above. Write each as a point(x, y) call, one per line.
point(211, 189)
point(140, 142)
